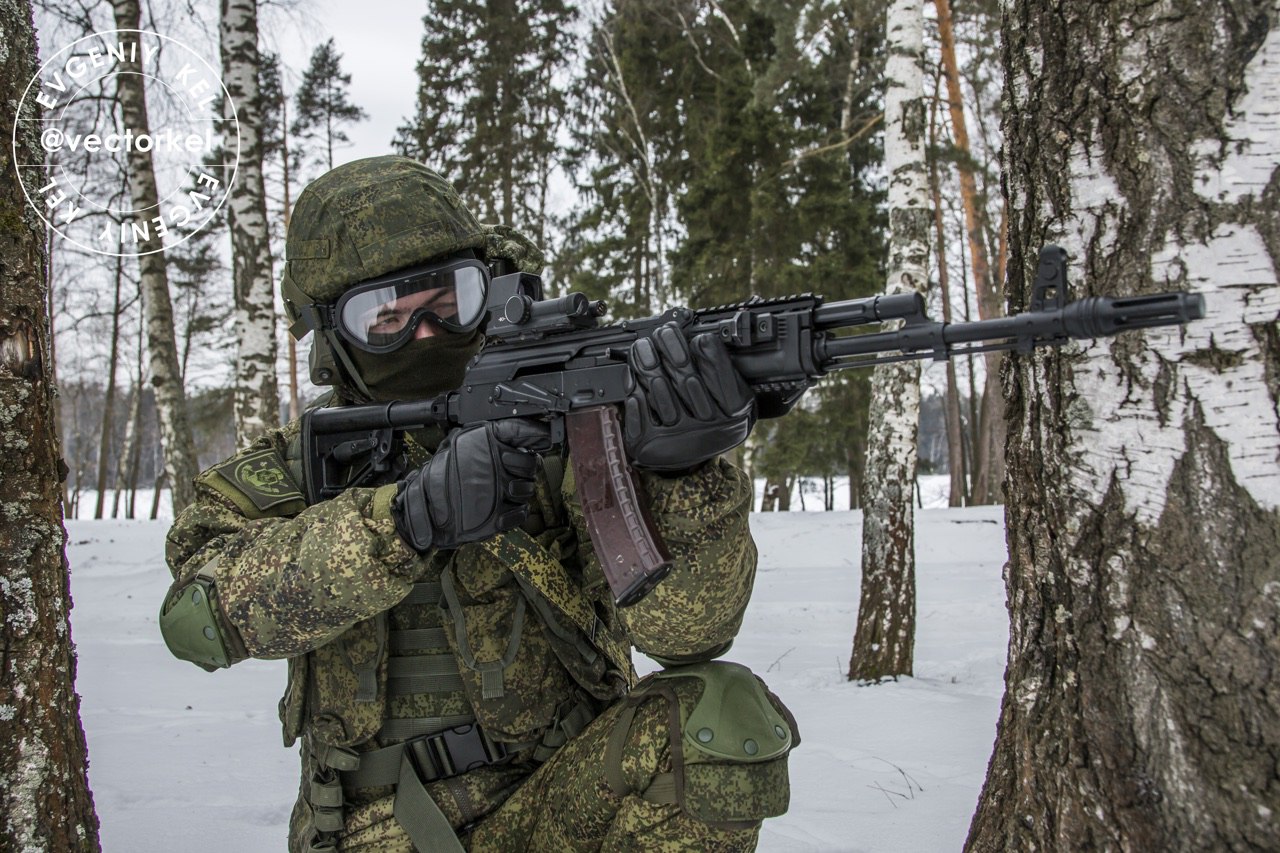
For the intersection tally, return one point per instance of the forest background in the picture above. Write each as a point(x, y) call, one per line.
point(661, 153)
point(710, 149)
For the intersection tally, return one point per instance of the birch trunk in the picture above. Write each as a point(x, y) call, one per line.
point(257, 396)
point(957, 466)
point(45, 803)
point(884, 641)
point(109, 403)
point(295, 407)
point(166, 376)
point(1142, 705)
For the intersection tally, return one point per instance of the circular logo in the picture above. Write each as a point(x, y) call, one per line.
point(98, 137)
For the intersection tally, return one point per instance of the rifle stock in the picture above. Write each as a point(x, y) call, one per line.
point(552, 359)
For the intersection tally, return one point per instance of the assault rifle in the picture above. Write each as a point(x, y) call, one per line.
point(553, 359)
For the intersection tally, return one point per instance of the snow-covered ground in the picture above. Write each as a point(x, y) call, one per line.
point(183, 760)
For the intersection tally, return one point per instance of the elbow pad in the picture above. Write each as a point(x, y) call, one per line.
point(194, 627)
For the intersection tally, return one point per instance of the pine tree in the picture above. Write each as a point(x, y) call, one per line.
point(490, 102)
point(721, 155)
point(323, 104)
point(624, 131)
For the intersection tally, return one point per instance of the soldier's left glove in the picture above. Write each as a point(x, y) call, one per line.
point(688, 404)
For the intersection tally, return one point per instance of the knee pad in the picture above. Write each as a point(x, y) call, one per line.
point(730, 741)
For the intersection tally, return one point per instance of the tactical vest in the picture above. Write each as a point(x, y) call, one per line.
point(500, 654)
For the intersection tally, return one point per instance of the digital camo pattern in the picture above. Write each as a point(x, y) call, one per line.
point(569, 804)
point(293, 584)
point(372, 828)
point(509, 671)
point(698, 607)
point(503, 241)
point(315, 583)
point(371, 217)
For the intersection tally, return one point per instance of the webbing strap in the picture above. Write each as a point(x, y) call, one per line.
point(405, 729)
point(413, 674)
point(410, 665)
point(419, 816)
point(412, 685)
point(417, 639)
point(423, 593)
point(662, 790)
point(533, 563)
point(445, 752)
point(613, 752)
point(565, 729)
point(315, 844)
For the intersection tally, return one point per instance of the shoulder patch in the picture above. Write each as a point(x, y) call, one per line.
point(262, 477)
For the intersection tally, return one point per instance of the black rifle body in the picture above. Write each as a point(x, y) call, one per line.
point(552, 359)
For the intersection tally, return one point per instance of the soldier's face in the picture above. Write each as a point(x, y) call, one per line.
point(392, 316)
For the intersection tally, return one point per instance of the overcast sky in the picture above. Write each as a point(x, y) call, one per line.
point(379, 41)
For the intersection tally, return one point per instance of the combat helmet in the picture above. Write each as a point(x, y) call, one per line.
point(357, 222)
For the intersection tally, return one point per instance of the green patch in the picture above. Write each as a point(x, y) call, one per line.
point(261, 477)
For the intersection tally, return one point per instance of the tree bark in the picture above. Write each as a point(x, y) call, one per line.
point(45, 803)
point(988, 464)
point(957, 466)
point(166, 377)
point(1142, 705)
point(295, 405)
point(257, 395)
point(884, 642)
point(109, 403)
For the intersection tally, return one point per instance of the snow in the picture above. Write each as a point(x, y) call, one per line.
point(181, 759)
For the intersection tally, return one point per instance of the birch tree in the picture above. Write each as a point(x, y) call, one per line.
point(257, 398)
point(166, 376)
point(884, 641)
point(1141, 707)
point(45, 803)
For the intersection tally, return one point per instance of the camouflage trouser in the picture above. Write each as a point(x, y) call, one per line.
point(585, 799)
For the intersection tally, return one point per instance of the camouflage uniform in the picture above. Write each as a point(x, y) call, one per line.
point(517, 635)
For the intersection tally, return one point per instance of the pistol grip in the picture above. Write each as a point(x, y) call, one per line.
point(631, 551)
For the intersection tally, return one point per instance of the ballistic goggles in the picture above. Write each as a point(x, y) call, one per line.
point(383, 314)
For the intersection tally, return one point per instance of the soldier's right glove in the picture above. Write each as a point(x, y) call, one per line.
point(478, 484)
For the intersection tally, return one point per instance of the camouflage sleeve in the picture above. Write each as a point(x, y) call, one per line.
point(695, 612)
point(291, 584)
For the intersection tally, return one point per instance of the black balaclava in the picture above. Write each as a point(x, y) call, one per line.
point(420, 369)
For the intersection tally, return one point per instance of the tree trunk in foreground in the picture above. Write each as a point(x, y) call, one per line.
point(45, 804)
point(884, 642)
point(1142, 701)
point(166, 375)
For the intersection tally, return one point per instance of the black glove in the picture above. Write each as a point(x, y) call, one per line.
point(689, 403)
point(478, 483)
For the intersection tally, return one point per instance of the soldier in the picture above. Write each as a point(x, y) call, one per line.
point(458, 673)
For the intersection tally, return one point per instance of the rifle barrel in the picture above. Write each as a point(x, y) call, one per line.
point(1093, 317)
